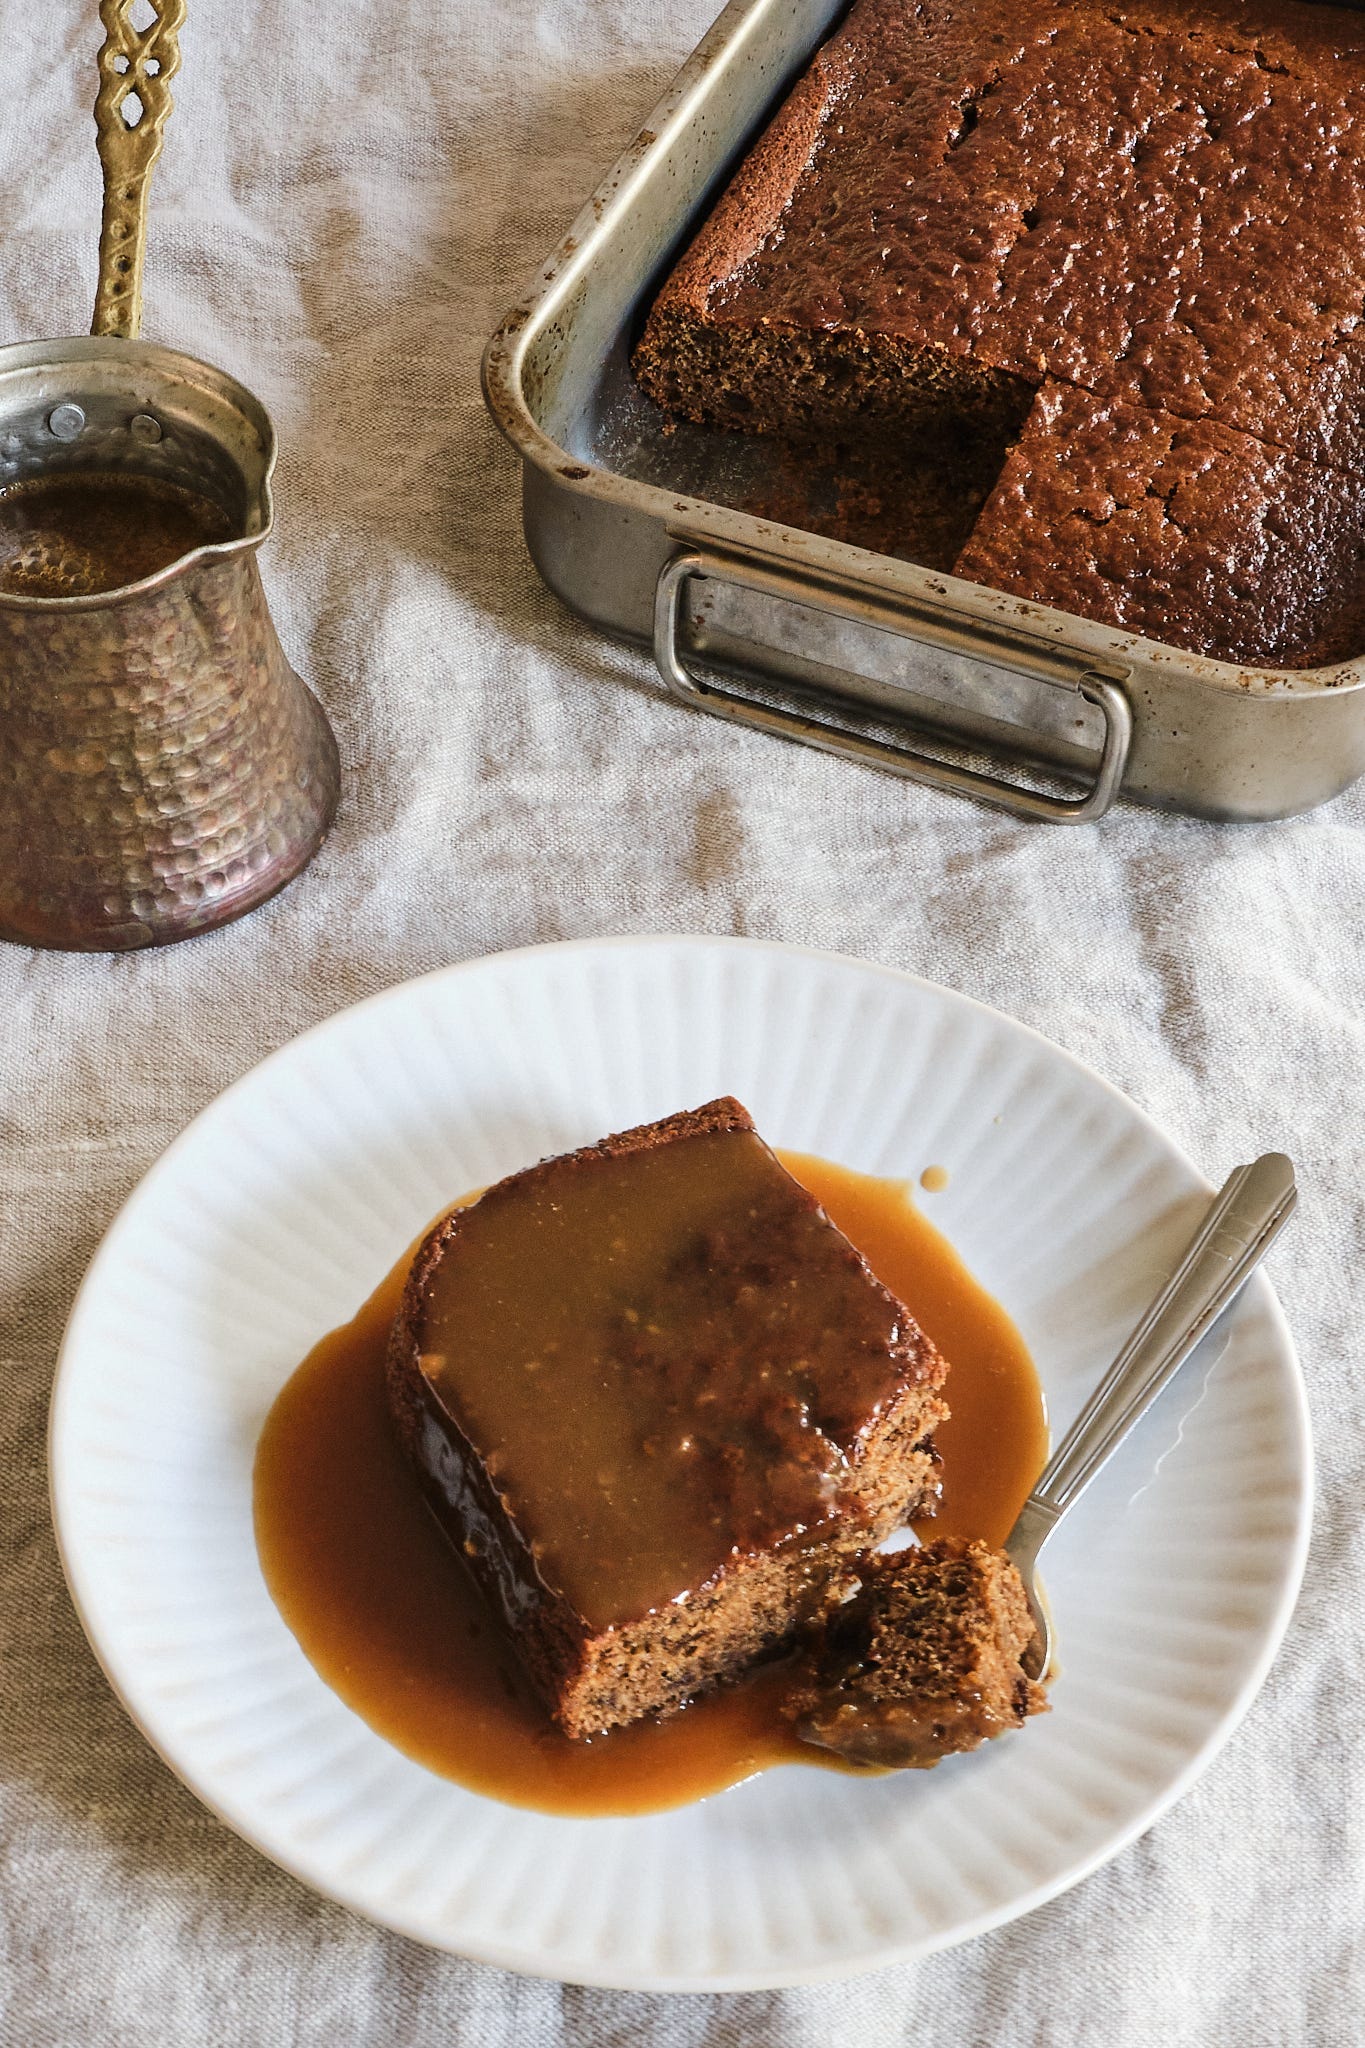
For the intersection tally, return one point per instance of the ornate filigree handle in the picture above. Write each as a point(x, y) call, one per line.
point(131, 111)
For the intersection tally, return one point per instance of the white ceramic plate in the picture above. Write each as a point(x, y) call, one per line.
point(280, 1208)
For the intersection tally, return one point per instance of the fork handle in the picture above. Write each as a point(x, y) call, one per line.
point(1247, 1216)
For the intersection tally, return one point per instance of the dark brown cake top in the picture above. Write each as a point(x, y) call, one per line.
point(664, 1355)
point(1180, 529)
point(1160, 204)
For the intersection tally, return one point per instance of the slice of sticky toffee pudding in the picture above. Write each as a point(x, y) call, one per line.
point(662, 1405)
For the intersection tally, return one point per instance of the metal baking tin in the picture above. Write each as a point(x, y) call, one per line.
point(854, 652)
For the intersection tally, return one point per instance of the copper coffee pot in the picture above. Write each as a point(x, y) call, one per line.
point(162, 768)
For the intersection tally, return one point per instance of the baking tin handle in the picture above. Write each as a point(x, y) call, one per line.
point(906, 761)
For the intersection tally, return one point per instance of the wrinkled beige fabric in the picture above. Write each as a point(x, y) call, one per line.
point(349, 197)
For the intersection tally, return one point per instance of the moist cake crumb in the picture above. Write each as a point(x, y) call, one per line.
point(923, 1661)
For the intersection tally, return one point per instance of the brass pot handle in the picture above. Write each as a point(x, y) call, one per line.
point(131, 110)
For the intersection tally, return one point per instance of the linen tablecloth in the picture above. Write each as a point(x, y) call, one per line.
point(350, 195)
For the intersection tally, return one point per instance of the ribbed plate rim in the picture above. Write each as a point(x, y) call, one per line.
point(511, 1956)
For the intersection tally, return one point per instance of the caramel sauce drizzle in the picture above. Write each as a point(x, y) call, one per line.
point(385, 1612)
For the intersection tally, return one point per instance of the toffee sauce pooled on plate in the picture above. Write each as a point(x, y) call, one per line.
point(385, 1611)
point(77, 534)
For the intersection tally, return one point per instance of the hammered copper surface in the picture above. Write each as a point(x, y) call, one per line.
point(162, 768)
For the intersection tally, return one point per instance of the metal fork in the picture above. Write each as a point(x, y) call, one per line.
point(1237, 1231)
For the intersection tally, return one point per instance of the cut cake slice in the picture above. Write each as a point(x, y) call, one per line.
point(1160, 205)
point(661, 1404)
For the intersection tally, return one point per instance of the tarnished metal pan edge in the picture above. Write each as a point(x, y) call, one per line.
point(1209, 737)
